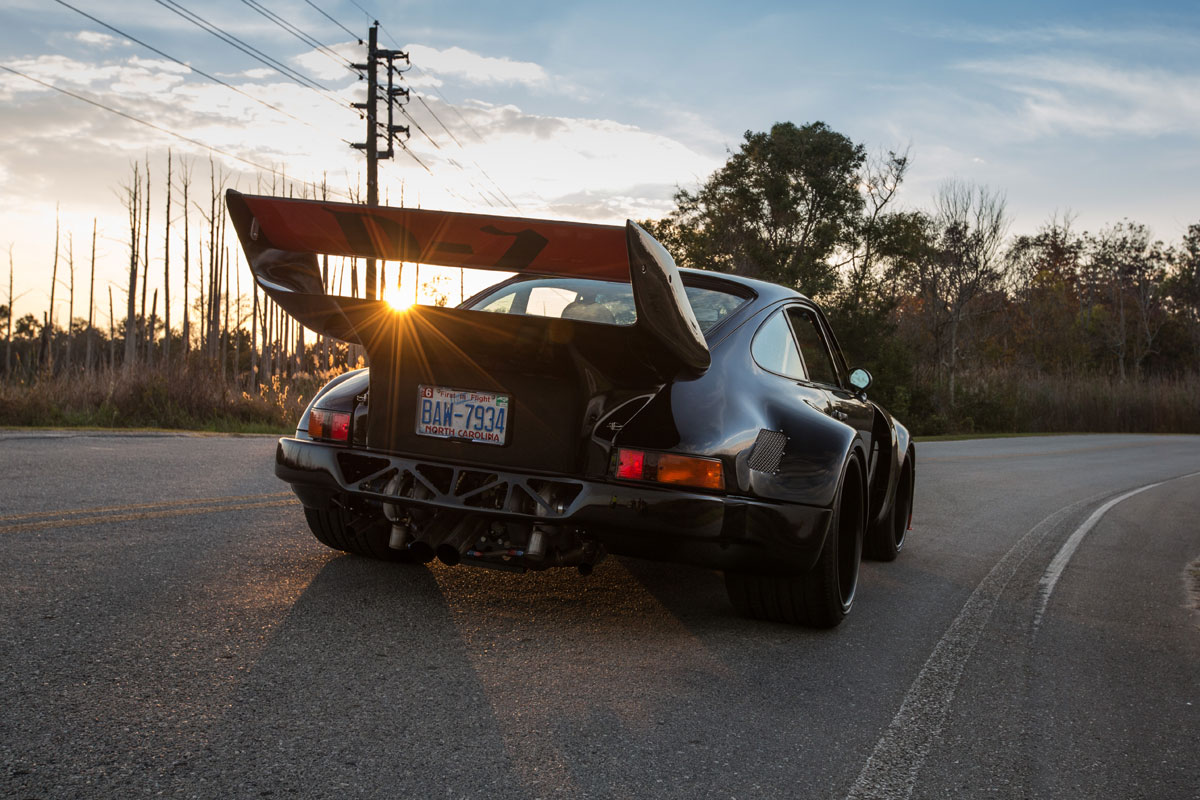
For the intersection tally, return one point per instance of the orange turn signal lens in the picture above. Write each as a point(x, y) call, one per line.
point(639, 465)
point(690, 471)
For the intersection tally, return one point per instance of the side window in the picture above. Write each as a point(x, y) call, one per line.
point(501, 305)
point(774, 348)
point(812, 344)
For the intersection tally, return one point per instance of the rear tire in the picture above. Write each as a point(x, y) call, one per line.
point(822, 597)
point(337, 528)
point(886, 539)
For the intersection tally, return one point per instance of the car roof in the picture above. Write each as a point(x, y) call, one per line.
point(766, 292)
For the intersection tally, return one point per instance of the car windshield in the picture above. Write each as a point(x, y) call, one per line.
point(596, 301)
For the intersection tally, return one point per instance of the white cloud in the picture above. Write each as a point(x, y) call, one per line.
point(326, 66)
point(560, 166)
point(476, 68)
point(95, 39)
point(1083, 96)
point(1074, 35)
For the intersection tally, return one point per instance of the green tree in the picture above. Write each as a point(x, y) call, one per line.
point(778, 209)
point(1047, 311)
point(966, 272)
point(1128, 270)
point(27, 328)
point(1183, 286)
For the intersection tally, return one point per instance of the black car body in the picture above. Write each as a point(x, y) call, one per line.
point(599, 401)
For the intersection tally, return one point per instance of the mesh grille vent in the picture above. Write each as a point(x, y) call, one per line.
point(767, 450)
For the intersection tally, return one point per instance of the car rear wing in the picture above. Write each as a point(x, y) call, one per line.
point(282, 237)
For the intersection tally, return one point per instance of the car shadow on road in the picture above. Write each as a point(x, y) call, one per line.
point(399, 679)
point(366, 684)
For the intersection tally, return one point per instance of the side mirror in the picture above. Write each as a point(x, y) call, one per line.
point(860, 379)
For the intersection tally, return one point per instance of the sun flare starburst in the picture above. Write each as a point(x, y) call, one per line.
point(396, 301)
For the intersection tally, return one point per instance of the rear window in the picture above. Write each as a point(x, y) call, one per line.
point(596, 301)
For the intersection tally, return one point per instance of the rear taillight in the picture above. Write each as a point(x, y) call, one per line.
point(647, 465)
point(331, 425)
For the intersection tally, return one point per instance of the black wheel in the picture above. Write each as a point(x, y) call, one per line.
point(822, 597)
point(337, 528)
point(886, 539)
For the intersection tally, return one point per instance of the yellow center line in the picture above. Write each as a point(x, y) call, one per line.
point(71, 512)
point(105, 519)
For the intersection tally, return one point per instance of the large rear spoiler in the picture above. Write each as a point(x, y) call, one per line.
point(281, 238)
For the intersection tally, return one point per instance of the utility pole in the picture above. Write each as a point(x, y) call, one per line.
point(375, 56)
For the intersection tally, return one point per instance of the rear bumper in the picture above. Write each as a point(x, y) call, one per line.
point(713, 531)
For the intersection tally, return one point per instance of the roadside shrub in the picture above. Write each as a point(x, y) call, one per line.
point(190, 397)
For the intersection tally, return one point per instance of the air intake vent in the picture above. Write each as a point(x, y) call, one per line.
point(767, 450)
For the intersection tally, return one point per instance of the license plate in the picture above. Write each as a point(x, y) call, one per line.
point(462, 414)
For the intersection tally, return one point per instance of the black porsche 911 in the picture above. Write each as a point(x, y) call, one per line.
point(599, 401)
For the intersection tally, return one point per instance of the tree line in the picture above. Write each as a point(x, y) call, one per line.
point(234, 331)
point(964, 326)
point(942, 304)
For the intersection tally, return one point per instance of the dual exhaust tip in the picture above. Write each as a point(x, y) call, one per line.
point(462, 535)
point(448, 547)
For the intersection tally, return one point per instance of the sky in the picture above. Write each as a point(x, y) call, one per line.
point(589, 111)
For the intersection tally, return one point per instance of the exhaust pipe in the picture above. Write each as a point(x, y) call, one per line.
point(401, 527)
point(465, 534)
point(399, 537)
point(423, 548)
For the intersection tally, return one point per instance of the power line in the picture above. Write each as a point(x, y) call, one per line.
point(478, 166)
point(159, 128)
point(248, 49)
point(201, 72)
point(370, 16)
point(334, 21)
point(299, 34)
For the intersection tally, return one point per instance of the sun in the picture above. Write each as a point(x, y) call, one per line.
point(396, 301)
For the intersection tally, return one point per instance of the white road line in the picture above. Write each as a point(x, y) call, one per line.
point(1063, 557)
point(891, 771)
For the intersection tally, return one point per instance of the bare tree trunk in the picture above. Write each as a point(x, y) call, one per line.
point(225, 325)
point(112, 334)
point(8, 335)
point(146, 261)
point(265, 361)
point(70, 298)
point(48, 328)
point(254, 339)
point(133, 196)
point(202, 296)
point(280, 342)
point(151, 325)
point(91, 334)
point(210, 320)
point(185, 179)
point(237, 322)
point(166, 353)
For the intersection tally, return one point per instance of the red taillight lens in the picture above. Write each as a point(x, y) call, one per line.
point(705, 473)
point(332, 425)
point(630, 464)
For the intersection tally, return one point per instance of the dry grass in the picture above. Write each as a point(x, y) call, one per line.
point(989, 401)
point(1010, 401)
point(187, 398)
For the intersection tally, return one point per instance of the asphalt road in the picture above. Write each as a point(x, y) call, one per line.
point(168, 626)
